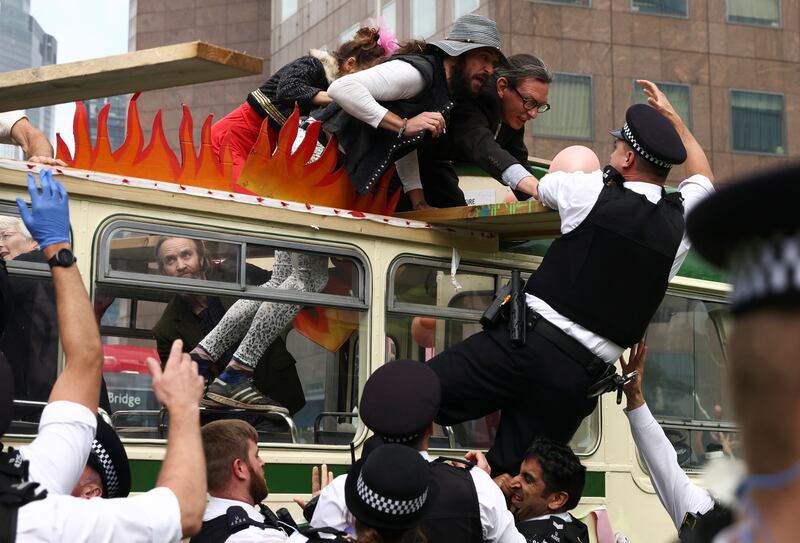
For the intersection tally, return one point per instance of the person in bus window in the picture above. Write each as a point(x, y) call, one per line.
point(594, 292)
point(190, 317)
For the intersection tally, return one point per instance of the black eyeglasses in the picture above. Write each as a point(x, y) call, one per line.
point(529, 103)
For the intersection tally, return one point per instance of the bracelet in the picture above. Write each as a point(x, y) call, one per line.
point(402, 128)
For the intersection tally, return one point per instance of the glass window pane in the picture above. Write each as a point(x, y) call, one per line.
point(154, 254)
point(679, 96)
point(675, 8)
point(693, 446)
point(423, 18)
point(686, 361)
point(757, 122)
point(580, 3)
point(462, 7)
point(570, 115)
point(429, 285)
point(389, 14)
point(288, 8)
point(755, 12)
point(348, 34)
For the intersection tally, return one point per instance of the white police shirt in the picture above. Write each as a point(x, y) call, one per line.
point(59, 453)
point(497, 521)
point(152, 516)
point(218, 507)
point(574, 195)
point(7, 121)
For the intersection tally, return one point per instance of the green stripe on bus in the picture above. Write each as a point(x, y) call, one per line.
point(296, 478)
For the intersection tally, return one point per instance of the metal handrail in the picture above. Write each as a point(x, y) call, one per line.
point(328, 414)
point(162, 426)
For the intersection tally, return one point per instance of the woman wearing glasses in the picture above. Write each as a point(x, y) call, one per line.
point(488, 131)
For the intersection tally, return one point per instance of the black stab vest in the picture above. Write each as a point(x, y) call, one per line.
point(611, 272)
point(554, 529)
point(454, 513)
point(235, 519)
point(368, 151)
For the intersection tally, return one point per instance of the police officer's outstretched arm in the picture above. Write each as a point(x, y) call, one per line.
point(48, 222)
point(179, 388)
point(696, 160)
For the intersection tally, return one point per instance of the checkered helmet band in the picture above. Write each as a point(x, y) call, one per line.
point(766, 268)
point(388, 505)
point(626, 130)
point(400, 440)
point(109, 475)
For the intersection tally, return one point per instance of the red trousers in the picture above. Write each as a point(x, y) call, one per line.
point(241, 127)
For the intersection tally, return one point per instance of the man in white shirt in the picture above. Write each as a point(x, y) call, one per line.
point(594, 292)
point(57, 455)
point(15, 129)
point(236, 485)
point(398, 403)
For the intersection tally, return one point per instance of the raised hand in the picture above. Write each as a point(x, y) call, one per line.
point(48, 219)
point(657, 99)
point(178, 385)
point(633, 389)
point(320, 478)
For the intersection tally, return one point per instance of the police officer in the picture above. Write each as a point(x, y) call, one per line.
point(399, 402)
point(593, 294)
point(107, 473)
point(752, 229)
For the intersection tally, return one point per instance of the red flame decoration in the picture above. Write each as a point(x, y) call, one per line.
point(271, 170)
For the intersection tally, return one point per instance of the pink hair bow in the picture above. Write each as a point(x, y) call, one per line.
point(386, 38)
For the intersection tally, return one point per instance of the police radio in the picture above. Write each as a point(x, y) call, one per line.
point(610, 174)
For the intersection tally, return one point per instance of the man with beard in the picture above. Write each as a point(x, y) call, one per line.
point(549, 484)
point(236, 486)
point(191, 316)
point(382, 114)
point(488, 131)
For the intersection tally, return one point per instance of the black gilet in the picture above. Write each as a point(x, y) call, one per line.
point(554, 529)
point(454, 513)
point(15, 491)
point(235, 519)
point(610, 273)
point(368, 151)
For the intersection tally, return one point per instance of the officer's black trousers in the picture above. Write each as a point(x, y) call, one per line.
point(541, 391)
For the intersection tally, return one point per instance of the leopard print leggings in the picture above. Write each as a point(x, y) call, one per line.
point(256, 323)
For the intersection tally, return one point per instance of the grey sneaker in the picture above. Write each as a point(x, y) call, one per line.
point(243, 395)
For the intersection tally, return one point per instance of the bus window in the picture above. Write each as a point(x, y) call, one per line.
point(309, 367)
point(30, 342)
point(685, 382)
point(427, 314)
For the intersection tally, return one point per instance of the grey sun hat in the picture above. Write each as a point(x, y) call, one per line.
point(470, 32)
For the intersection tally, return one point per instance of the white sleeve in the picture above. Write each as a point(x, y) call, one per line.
point(152, 516)
point(694, 190)
point(331, 509)
point(573, 195)
point(408, 171)
point(359, 93)
point(677, 493)
point(7, 121)
point(496, 520)
point(59, 452)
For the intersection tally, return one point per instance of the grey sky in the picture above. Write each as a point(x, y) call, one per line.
point(84, 29)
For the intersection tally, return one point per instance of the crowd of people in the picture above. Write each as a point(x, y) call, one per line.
point(418, 107)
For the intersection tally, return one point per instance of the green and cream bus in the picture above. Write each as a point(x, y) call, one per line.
point(390, 271)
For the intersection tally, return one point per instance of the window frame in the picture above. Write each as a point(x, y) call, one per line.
point(591, 110)
point(420, 310)
point(777, 26)
point(785, 132)
point(105, 276)
point(561, 3)
point(637, 12)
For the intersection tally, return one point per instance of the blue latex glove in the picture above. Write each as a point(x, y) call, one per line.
point(48, 220)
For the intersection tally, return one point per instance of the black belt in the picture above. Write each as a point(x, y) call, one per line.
point(594, 365)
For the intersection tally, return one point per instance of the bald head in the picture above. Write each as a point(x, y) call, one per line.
point(576, 158)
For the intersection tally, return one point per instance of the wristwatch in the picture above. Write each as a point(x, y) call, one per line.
point(63, 258)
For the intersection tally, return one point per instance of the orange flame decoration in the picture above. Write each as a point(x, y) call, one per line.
point(271, 170)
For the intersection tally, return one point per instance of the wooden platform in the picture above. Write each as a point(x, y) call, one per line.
point(148, 69)
point(513, 222)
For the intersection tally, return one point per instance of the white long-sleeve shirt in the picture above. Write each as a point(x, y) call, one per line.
point(497, 522)
point(359, 93)
point(677, 493)
point(574, 195)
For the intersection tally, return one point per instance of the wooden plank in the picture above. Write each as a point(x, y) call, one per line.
point(148, 69)
point(512, 222)
point(185, 203)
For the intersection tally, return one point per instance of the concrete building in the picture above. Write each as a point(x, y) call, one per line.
point(23, 44)
point(731, 66)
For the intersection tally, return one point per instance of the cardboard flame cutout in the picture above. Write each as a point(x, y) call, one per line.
point(271, 171)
